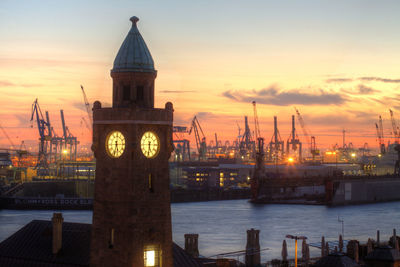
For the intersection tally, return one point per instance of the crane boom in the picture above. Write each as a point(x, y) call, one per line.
point(8, 137)
point(256, 125)
point(311, 140)
point(381, 129)
point(87, 105)
point(86, 123)
point(200, 138)
point(301, 121)
point(379, 133)
point(258, 141)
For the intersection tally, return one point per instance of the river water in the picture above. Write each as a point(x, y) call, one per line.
point(222, 225)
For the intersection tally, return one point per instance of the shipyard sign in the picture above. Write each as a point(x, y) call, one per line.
point(59, 203)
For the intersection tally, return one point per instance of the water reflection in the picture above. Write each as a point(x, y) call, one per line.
point(222, 225)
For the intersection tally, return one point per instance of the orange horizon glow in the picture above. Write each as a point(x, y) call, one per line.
point(337, 76)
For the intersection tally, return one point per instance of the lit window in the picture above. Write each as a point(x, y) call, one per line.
point(152, 256)
point(149, 258)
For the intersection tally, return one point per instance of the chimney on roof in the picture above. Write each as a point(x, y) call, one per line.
point(57, 221)
point(192, 245)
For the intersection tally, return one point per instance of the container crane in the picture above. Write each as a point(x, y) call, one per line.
point(200, 138)
point(181, 145)
point(70, 141)
point(365, 149)
point(276, 145)
point(239, 137)
point(246, 143)
point(44, 136)
point(293, 141)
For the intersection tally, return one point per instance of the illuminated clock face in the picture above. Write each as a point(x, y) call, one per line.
point(150, 144)
point(115, 144)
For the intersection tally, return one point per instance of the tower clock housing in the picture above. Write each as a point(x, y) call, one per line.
point(132, 142)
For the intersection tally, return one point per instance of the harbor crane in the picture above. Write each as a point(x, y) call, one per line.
point(181, 145)
point(70, 141)
point(239, 130)
point(379, 134)
point(394, 127)
point(239, 138)
point(84, 121)
point(44, 136)
point(87, 106)
point(52, 148)
point(276, 145)
point(365, 150)
point(310, 138)
point(7, 136)
point(200, 138)
point(256, 125)
point(293, 141)
point(20, 152)
point(246, 143)
point(396, 134)
point(259, 142)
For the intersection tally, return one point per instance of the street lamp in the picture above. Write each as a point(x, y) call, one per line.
point(341, 221)
point(295, 245)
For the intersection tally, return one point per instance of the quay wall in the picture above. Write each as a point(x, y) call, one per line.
point(365, 191)
point(52, 200)
point(49, 189)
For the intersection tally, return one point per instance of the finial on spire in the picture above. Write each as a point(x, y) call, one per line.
point(134, 20)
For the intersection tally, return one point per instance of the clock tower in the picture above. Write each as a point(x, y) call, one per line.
point(132, 142)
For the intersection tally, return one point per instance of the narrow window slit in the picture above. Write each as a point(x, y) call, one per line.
point(151, 183)
point(111, 241)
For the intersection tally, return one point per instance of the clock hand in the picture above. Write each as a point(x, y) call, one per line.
point(149, 147)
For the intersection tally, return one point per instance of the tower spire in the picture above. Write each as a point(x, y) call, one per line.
point(133, 72)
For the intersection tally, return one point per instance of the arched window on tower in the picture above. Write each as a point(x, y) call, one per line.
point(140, 93)
point(126, 93)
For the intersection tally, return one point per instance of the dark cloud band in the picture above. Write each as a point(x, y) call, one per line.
point(272, 96)
point(365, 79)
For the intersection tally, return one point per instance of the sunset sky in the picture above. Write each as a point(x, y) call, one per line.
point(336, 61)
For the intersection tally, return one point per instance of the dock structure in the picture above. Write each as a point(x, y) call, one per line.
point(52, 148)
